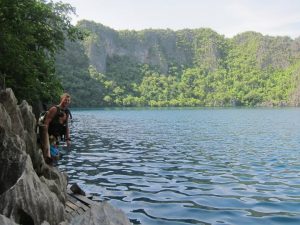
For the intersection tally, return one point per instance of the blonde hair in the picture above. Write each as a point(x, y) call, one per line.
point(65, 95)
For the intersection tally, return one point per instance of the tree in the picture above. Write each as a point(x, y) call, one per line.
point(31, 32)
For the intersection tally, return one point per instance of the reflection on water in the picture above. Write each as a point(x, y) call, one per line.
point(190, 166)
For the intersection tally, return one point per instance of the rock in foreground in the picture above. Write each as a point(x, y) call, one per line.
point(31, 192)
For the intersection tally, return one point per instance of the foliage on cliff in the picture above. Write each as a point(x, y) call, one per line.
point(188, 67)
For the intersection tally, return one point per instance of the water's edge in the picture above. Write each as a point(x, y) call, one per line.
point(190, 166)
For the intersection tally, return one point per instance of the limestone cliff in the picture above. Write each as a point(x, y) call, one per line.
point(31, 192)
point(160, 48)
point(189, 47)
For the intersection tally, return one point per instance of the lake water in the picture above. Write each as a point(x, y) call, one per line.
point(190, 166)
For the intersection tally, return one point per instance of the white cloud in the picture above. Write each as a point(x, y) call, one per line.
point(228, 17)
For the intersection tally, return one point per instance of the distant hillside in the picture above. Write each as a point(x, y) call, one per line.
point(159, 48)
point(190, 67)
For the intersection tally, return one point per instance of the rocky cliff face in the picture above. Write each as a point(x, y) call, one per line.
point(190, 47)
point(32, 192)
point(160, 48)
point(269, 52)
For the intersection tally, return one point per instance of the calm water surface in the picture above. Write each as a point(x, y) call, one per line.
point(190, 166)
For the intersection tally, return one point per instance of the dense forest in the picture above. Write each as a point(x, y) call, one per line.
point(42, 54)
point(190, 67)
point(31, 34)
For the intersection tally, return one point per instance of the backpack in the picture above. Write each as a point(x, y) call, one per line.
point(40, 122)
point(41, 118)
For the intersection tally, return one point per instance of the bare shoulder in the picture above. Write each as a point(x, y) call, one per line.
point(52, 111)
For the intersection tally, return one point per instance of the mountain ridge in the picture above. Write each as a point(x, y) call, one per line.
point(126, 57)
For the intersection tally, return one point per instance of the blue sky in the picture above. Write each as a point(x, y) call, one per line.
point(227, 17)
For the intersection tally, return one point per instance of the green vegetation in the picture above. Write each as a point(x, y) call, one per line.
point(84, 84)
point(31, 32)
point(182, 68)
point(190, 67)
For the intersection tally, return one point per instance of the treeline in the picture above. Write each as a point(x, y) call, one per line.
point(104, 67)
point(179, 68)
point(31, 33)
point(197, 87)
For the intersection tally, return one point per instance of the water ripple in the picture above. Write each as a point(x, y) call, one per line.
point(190, 166)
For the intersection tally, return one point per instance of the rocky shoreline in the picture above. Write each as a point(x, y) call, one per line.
point(31, 192)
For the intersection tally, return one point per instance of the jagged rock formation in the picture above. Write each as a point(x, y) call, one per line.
point(5, 221)
point(201, 47)
point(26, 196)
point(31, 192)
point(160, 48)
point(249, 69)
point(103, 214)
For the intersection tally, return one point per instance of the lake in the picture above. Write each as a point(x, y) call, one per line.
point(179, 166)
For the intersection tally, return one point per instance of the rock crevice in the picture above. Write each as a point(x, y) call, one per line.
point(31, 192)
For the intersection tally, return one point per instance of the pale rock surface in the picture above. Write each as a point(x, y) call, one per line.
point(31, 192)
point(104, 214)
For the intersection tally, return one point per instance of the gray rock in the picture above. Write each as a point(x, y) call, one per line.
point(104, 214)
point(6, 221)
point(31, 200)
point(76, 189)
point(30, 137)
point(31, 192)
point(56, 182)
point(9, 101)
point(27, 195)
point(5, 120)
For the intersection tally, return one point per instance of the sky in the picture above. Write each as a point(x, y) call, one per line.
point(226, 17)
